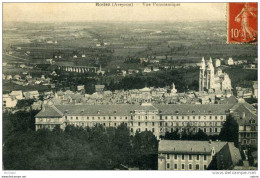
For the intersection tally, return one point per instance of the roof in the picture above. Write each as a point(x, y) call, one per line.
point(125, 109)
point(184, 109)
point(99, 86)
point(16, 92)
point(245, 109)
point(188, 146)
point(49, 111)
point(228, 157)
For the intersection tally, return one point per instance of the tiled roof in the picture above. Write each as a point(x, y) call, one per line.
point(125, 109)
point(188, 147)
point(244, 108)
point(49, 111)
point(183, 109)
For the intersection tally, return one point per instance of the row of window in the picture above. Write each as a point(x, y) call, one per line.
point(189, 156)
point(197, 166)
point(191, 123)
point(191, 117)
point(248, 135)
point(211, 130)
point(145, 117)
point(99, 118)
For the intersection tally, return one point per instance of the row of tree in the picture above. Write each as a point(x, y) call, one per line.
point(75, 148)
point(228, 133)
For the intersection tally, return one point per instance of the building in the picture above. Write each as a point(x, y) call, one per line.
point(196, 155)
point(218, 83)
point(31, 94)
point(99, 88)
point(9, 102)
point(229, 61)
point(246, 117)
point(159, 118)
point(217, 63)
point(17, 94)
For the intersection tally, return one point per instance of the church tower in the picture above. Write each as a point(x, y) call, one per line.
point(202, 75)
point(210, 75)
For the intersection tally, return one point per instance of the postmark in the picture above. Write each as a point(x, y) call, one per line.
point(242, 23)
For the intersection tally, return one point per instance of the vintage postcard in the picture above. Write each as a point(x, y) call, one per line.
point(130, 86)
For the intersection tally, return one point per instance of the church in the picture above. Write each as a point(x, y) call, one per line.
point(218, 83)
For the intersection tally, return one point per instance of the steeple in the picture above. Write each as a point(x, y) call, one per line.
point(210, 65)
point(202, 63)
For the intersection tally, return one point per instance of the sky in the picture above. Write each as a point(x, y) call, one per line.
point(70, 12)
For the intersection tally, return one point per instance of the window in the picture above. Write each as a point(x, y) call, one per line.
point(145, 123)
point(139, 117)
point(71, 118)
point(175, 156)
point(216, 117)
point(190, 157)
point(153, 123)
point(216, 129)
point(197, 166)
point(193, 117)
point(205, 129)
point(115, 124)
point(139, 123)
point(190, 166)
point(92, 118)
point(132, 130)
point(125, 117)
point(205, 157)
point(205, 167)
point(182, 157)
point(175, 166)
point(165, 117)
point(210, 129)
point(166, 124)
point(115, 118)
point(152, 129)
point(104, 118)
point(168, 156)
point(146, 129)
point(182, 166)
point(182, 117)
point(87, 118)
point(146, 117)
point(168, 165)
point(198, 157)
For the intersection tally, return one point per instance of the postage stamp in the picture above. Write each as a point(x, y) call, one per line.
point(242, 23)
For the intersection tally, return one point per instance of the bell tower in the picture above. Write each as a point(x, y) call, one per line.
point(210, 75)
point(202, 75)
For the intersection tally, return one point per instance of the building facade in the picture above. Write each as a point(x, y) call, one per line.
point(159, 118)
point(196, 155)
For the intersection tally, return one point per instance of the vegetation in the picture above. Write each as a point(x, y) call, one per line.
point(75, 148)
point(229, 131)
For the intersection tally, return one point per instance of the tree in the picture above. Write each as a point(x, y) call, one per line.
point(172, 136)
point(200, 135)
point(145, 147)
point(229, 132)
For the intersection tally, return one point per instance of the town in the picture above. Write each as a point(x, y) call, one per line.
point(132, 97)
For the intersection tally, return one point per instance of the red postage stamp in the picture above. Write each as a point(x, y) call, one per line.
point(242, 23)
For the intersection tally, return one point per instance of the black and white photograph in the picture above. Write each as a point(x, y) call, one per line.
point(131, 86)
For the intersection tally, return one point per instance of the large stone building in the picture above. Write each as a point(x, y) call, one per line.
point(159, 118)
point(218, 83)
point(197, 155)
